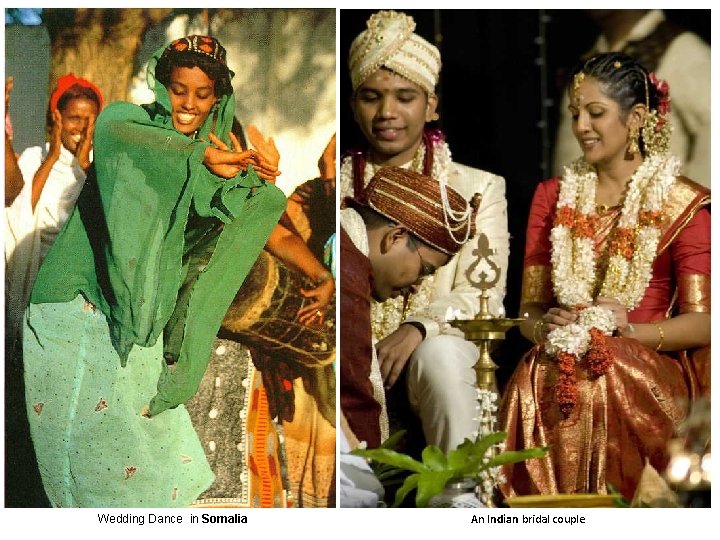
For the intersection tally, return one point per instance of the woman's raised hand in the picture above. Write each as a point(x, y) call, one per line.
point(55, 136)
point(266, 147)
point(226, 162)
point(85, 145)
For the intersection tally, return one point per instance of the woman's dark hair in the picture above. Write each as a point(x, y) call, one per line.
point(218, 72)
point(77, 91)
point(623, 79)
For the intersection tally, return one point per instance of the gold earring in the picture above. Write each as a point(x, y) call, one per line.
point(633, 147)
point(435, 116)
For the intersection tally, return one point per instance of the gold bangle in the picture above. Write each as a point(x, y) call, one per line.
point(537, 326)
point(662, 336)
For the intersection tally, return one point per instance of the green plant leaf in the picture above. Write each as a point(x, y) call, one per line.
point(434, 458)
point(391, 457)
point(468, 458)
point(458, 458)
point(392, 441)
point(410, 483)
point(431, 476)
point(430, 484)
point(515, 456)
point(390, 473)
point(481, 446)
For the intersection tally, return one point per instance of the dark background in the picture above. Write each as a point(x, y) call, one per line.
point(502, 78)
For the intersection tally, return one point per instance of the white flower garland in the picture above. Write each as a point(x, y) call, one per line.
point(575, 338)
point(573, 255)
point(487, 479)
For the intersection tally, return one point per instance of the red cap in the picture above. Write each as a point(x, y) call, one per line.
point(63, 85)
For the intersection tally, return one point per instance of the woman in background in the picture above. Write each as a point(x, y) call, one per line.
point(53, 175)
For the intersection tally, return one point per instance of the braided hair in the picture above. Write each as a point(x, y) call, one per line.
point(623, 79)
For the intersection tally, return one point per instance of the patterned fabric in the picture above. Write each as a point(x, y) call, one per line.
point(149, 180)
point(310, 439)
point(94, 447)
point(241, 441)
point(626, 416)
point(198, 44)
point(148, 219)
point(417, 202)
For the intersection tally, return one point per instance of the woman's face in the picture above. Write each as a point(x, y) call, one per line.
point(192, 96)
point(391, 112)
point(598, 123)
point(76, 116)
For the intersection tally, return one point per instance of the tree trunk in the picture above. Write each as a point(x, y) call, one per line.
point(98, 44)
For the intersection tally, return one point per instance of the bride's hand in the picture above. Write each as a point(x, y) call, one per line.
point(556, 317)
point(266, 146)
point(618, 311)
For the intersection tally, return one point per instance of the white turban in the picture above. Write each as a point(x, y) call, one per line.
point(389, 42)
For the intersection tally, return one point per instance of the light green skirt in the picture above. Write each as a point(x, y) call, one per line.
point(94, 447)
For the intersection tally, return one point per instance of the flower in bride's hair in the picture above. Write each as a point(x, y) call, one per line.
point(663, 91)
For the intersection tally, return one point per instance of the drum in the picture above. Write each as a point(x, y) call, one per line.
point(264, 315)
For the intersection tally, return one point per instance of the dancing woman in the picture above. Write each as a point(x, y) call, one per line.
point(122, 316)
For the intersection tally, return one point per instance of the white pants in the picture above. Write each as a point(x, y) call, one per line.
point(442, 391)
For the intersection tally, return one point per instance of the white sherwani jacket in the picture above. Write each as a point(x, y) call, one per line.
point(451, 288)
